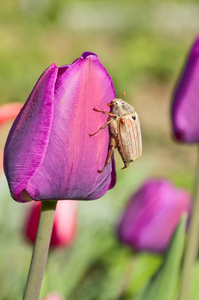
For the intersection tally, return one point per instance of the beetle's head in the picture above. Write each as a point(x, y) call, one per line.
point(120, 107)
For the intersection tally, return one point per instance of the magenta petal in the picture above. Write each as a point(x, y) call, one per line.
point(69, 170)
point(61, 159)
point(185, 109)
point(152, 215)
point(28, 139)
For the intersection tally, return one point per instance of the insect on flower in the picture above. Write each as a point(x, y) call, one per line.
point(125, 132)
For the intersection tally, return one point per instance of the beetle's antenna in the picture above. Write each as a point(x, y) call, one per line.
point(123, 95)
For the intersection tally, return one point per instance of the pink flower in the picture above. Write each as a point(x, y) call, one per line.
point(64, 227)
point(152, 215)
point(185, 108)
point(53, 296)
point(8, 112)
point(49, 153)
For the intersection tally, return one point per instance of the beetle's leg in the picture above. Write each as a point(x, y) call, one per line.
point(112, 146)
point(108, 122)
point(104, 112)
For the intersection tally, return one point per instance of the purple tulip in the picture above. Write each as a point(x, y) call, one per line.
point(185, 109)
point(49, 153)
point(152, 215)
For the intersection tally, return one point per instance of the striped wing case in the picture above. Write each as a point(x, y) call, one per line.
point(129, 138)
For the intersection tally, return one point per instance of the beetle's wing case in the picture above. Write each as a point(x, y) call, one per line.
point(129, 138)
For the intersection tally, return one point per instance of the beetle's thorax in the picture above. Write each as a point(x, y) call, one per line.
point(120, 107)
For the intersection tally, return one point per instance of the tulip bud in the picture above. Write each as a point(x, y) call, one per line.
point(152, 215)
point(185, 108)
point(49, 153)
point(64, 226)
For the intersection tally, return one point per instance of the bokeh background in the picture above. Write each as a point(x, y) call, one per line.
point(143, 45)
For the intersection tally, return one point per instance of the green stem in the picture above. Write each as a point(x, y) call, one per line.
point(40, 251)
point(126, 279)
point(191, 249)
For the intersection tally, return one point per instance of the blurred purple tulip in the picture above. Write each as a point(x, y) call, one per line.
point(185, 108)
point(49, 153)
point(152, 215)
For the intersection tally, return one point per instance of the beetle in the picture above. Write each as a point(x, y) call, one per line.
point(125, 132)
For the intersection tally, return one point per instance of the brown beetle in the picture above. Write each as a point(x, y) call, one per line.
point(125, 132)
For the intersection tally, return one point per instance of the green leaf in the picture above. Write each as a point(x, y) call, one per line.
point(164, 283)
point(194, 288)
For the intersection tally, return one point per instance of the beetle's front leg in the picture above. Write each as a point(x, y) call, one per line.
point(108, 122)
point(112, 145)
point(104, 112)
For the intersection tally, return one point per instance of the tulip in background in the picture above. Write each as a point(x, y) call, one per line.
point(7, 113)
point(49, 154)
point(53, 296)
point(152, 215)
point(185, 108)
point(64, 226)
point(185, 121)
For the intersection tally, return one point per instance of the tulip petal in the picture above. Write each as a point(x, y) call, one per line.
point(49, 153)
point(185, 109)
point(28, 139)
point(152, 215)
point(73, 157)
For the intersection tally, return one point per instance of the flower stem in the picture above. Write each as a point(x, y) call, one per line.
point(40, 251)
point(126, 279)
point(191, 249)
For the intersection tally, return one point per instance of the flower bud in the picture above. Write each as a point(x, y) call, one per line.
point(152, 215)
point(185, 107)
point(49, 153)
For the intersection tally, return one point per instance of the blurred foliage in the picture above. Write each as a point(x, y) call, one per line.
point(143, 45)
point(164, 283)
